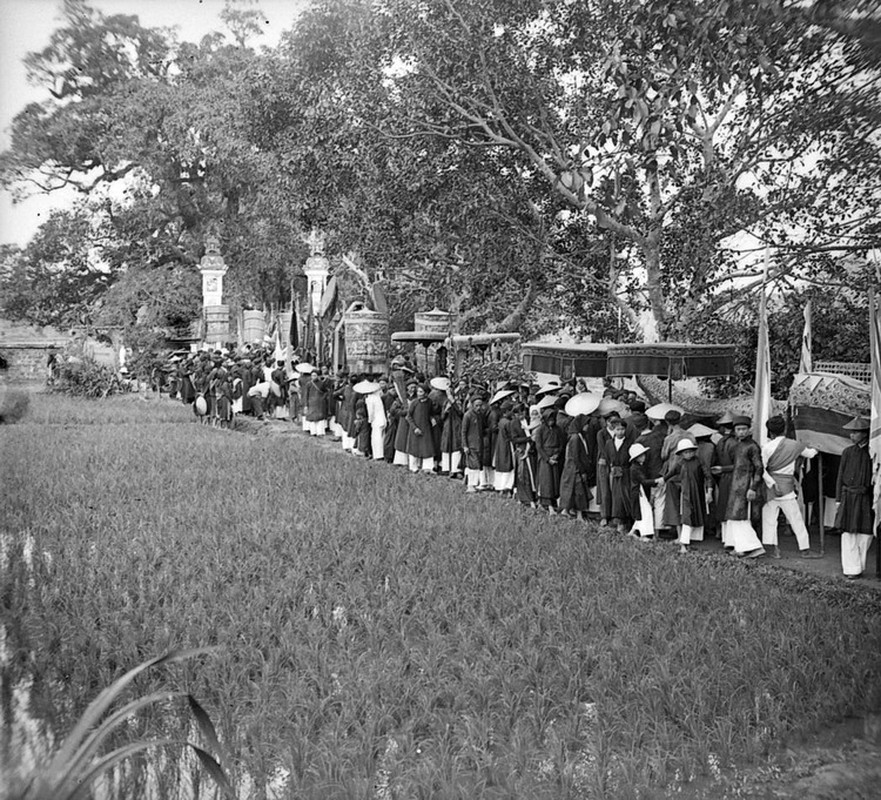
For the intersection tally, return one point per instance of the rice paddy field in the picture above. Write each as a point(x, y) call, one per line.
point(383, 635)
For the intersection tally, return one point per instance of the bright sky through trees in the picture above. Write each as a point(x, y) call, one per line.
point(27, 26)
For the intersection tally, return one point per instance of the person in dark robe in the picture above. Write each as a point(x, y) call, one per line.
point(200, 386)
point(345, 396)
point(294, 395)
point(304, 381)
point(472, 445)
point(706, 454)
point(451, 431)
point(420, 443)
point(695, 485)
point(723, 470)
point(327, 384)
point(854, 494)
point(315, 404)
point(550, 447)
point(235, 377)
point(225, 400)
point(280, 379)
point(563, 419)
point(575, 493)
point(220, 388)
point(350, 432)
point(185, 376)
point(746, 480)
point(670, 458)
point(503, 455)
point(526, 483)
point(526, 470)
point(617, 456)
point(653, 439)
point(402, 434)
point(642, 481)
point(389, 401)
point(603, 491)
point(492, 416)
point(247, 383)
point(437, 398)
point(360, 429)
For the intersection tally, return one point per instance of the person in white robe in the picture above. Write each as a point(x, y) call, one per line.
point(378, 421)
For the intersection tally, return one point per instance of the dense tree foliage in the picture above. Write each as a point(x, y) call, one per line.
point(535, 166)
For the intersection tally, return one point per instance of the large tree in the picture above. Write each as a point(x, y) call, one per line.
point(438, 221)
point(150, 131)
point(673, 126)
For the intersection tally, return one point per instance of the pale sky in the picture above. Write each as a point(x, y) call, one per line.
point(25, 26)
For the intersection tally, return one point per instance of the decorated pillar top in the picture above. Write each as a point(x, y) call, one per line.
point(315, 240)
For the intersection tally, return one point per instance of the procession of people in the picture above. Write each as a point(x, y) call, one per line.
point(648, 473)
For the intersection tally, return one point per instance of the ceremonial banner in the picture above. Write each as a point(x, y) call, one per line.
point(309, 337)
point(875, 427)
point(294, 336)
point(762, 399)
point(277, 353)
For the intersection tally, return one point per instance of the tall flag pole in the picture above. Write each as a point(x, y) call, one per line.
point(875, 424)
point(292, 344)
point(806, 364)
point(762, 399)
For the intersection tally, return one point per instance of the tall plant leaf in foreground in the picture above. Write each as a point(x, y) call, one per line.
point(73, 769)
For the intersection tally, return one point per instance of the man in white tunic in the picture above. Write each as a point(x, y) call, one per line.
point(780, 455)
point(378, 421)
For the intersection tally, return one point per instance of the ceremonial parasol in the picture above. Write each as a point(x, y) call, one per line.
point(609, 406)
point(671, 360)
point(697, 430)
point(569, 361)
point(500, 395)
point(660, 410)
point(366, 387)
point(548, 388)
point(584, 403)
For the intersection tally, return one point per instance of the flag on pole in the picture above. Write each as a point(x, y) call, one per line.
point(762, 398)
point(309, 335)
point(806, 364)
point(294, 335)
point(277, 353)
point(875, 425)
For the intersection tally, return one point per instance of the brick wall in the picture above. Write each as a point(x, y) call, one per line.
point(27, 364)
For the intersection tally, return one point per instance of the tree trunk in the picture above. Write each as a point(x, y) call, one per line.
point(655, 291)
point(651, 249)
point(514, 320)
